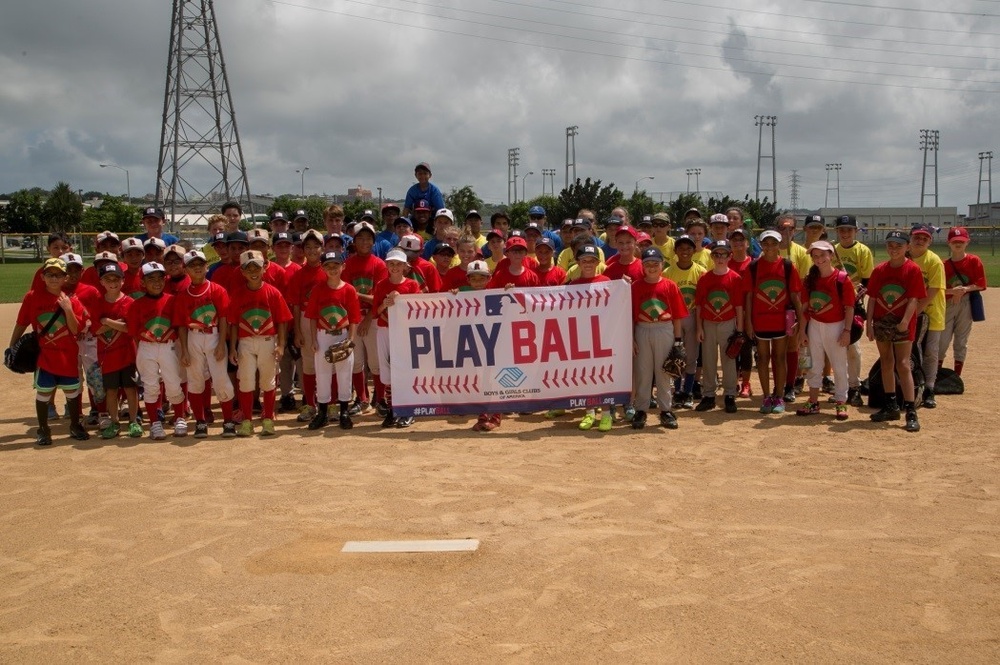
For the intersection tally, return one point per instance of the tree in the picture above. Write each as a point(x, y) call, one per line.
point(602, 200)
point(461, 201)
point(24, 213)
point(641, 204)
point(681, 205)
point(313, 206)
point(63, 210)
point(113, 215)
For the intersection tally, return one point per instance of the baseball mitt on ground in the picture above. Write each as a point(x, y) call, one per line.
point(676, 361)
point(339, 351)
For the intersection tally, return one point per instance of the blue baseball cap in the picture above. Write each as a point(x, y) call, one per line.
point(536, 211)
point(652, 254)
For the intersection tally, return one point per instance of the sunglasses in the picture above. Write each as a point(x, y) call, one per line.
point(661, 225)
point(719, 255)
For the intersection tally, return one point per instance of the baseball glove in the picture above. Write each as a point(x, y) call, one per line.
point(886, 329)
point(339, 351)
point(676, 360)
point(734, 345)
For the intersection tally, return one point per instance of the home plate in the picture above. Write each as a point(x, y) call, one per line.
point(463, 545)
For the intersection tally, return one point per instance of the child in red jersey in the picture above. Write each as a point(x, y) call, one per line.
point(303, 282)
point(332, 317)
point(626, 264)
point(383, 297)
point(457, 276)
point(260, 241)
point(829, 315)
point(719, 307)
point(116, 353)
point(150, 323)
point(895, 288)
point(514, 273)
point(421, 270)
point(771, 283)
point(133, 255)
point(657, 310)
point(200, 313)
point(740, 262)
point(258, 322)
point(59, 315)
point(281, 245)
point(549, 274)
point(363, 270)
point(57, 244)
point(173, 262)
point(90, 297)
point(964, 277)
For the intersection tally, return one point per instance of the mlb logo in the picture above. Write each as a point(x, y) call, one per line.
point(150, 211)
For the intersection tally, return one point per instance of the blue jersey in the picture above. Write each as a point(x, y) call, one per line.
point(432, 194)
point(167, 239)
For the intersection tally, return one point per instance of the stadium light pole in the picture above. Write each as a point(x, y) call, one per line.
point(523, 178)
point(128, 185)
point(645, 177)
point(303, 172)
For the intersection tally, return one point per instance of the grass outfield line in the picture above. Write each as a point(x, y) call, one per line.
point(15, 278)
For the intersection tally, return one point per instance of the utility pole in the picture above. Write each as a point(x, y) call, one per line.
point(524, 188)
point(988, 158)
point(770, 121)
point(832, 167)
point(200, 150)
point(128, 184)
point(571, 133)
point(513, 157)
point(793, 181)
point(551, 175)
point(303, 172)
point(929, 143)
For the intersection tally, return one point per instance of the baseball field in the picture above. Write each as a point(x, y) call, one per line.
point(733, 539)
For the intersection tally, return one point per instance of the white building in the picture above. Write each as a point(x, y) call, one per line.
point(896, 218)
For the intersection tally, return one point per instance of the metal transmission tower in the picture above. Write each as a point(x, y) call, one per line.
point(762, 121)
point(200, 154)
point(551, 175)
point(988, 158)
point(793, 182)
point(513, 157)
point(929, 143)
point(832, 167)
point(571, 133)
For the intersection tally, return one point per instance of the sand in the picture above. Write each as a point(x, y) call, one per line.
point(733, 539)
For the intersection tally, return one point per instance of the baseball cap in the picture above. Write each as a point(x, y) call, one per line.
point(152, 212)
point(718, 218)
point(922, 229)
point(696, 211)
point(423, 165)
point(581, 223)
point(56, 264)
point(259, 235)
point(237, 236)
point(495, 232)
point(390, 206)
point(515, 241)
point(613, 220)
point(154, 242)
point(847, 220)
point(110, 269)
point(444, 248)
point(335, 236)
point(313, 234)
point(368, 214)
point(105, 256)
point(131, 244)
point(815, 220)
point(473, 213)
point(651, 254)
point(687, 240)
point(642, 237)
point(396, 255)
point(630, 230)
point(280, 236)
point(251, 256)
point(152, 268)
point(175, 249)
point(533, 227)
point(738, 231)
point(220, 237)
point(772, 234)
point(821, 244)
point(364, 226)
point(647, 220)
point(70, 257)
point(332, 257)
point(660, 217)
point(278, 216)
point(194, 255)
point(478, 268)
point(300, 214)
point(587, 250)
point(104, 236)
point(536, 211)
point(410, 243)
point(567, 223)
point(422, 204)
point(444, 212)
point(545, 242)
point(897, 237)
point(721, 245)
point(958, 233)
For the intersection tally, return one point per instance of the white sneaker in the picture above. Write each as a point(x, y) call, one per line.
point(306, 414)
point(180, 427)
point(156, 431)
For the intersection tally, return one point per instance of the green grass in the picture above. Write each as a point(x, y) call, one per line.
point(15, 278)
point(991, 262)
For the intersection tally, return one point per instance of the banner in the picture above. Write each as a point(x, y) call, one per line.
point(523, 350)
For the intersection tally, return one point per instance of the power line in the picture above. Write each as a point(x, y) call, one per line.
point(903, 9)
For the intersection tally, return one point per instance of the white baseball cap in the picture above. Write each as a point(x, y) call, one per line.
point(152, 267)
point(396, 255)
point(444, 212)
point(772, 234)
point(410, 243)
point(478, 268)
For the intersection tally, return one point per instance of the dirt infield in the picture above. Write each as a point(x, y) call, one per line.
point(733, 539)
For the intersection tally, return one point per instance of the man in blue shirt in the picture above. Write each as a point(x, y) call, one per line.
point(152, 221)
point(423, 189)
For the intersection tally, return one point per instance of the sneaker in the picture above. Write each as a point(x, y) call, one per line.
point(606, 421)
point(245, 429)
point(854, 398)
point(799, 385)
point(767, 405)
point(267, 427)
point(629, 412)
point(912, 424)
point(287, 404)
point(359, 408)
point(555, 413)
point(111, 431)
point(668, 419)
point(587, 422)
point(696, 391)
point(389, 420)
point(480, 424)
point(929, 402)
point(78, 433)
point(381, 408)
point(886, 413)
point(730, 404)
point(156, 431)
point(345, 421)
point(403, 423)
point(789, 396)
point(810, 409)
point(91, 421)
point(777, 405)
point(200, 429)
point(180, 427)
point(53, 415)
point(134, 430)
point(827, 385)
point(684, 401)
point(841, 410)
point(639, 420)
point(306, 413)
point(44, 437)
point(706, 404)
point(490, 424)
point(228, 430)
point(745, 390)
point(103, 421)
point(319, 421)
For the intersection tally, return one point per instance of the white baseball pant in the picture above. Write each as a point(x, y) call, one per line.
point(256, 354)
point(201, 353)
point(157, 361)
point(325, 370)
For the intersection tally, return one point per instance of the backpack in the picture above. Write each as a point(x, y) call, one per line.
point(876, 393)
point(948, 382)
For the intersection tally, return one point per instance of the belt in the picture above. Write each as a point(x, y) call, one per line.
point(204, 331)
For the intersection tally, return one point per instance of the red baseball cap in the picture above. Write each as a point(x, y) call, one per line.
point(515, 241)
point(958, 233)
point(630, 230)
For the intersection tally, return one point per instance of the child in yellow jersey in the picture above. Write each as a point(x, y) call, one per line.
point(856, 259)
point(697, 229)
point(933, 305)
point(661, 236)
point(685, 273)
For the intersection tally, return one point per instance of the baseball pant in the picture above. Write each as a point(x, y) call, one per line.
point(286, 374)
point(366, 351)
point(308, 353)
point(712, 350)
point(201, 353)
point(823, 344)
point(653, 342)
point(158, 362)
point(957, 327)
point(382, 334)
point(854, 365)
point(325, 370)
point(256, 354)
point(932, 346)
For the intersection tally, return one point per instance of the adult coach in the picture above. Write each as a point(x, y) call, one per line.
point(153, 222)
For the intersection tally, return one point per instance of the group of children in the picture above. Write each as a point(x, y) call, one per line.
point(162, 323)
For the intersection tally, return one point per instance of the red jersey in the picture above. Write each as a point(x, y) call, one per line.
point(657, 302)
point(90, 277)
point(303, 282)
point(825, 303)
point(384, 288)
point(201, 307)
point(591, 280)
point(363, 273)
point(718, 296)
point(334, 309)
point(889, 289)
point(132, 283)
point(502, 277)
point(152, 319)
point(59, 351)
point(228, 276)
point(968, 270)
point(426, 275)
point(770, 294)
point(89, 297)
point(174, 285)
point(740, 266)
point(115, 350)
point(455, 278)
point(616, 269)
point(554, 276)
point(275, 276)
point(258, 313)
point(529, 262)
point(291, 269)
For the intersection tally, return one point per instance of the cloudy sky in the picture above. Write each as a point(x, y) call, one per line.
point(361, 90)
